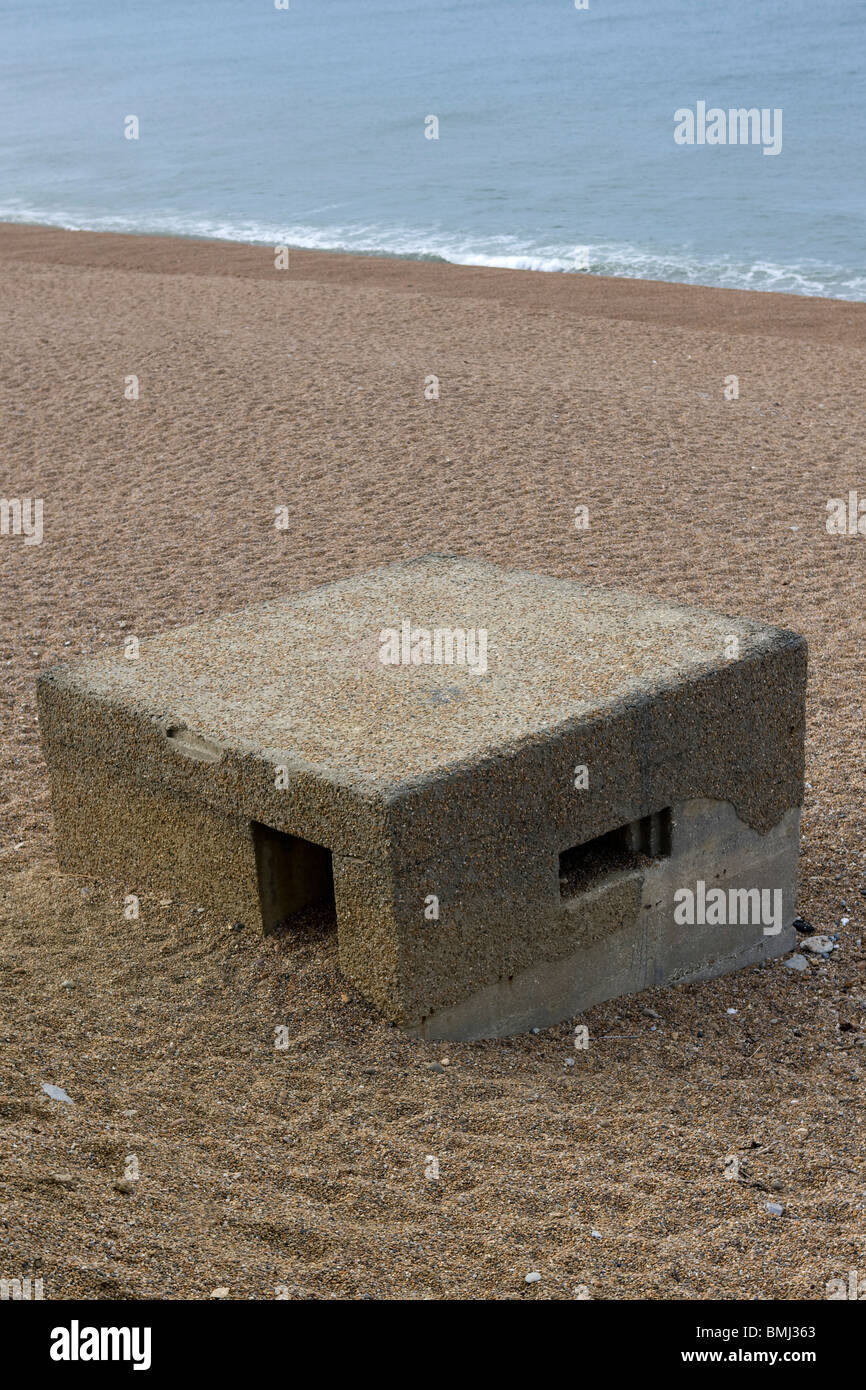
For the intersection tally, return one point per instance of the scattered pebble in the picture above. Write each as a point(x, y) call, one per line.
point(775, 1208)
point(57, 1093)
point(221, 1292)
point(821, 945)
point(124, 1185)
point(797, 962)
point(534, 1278)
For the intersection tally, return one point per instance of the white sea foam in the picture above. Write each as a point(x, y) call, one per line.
point(679, 265)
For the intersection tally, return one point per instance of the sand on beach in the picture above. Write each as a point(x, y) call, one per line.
point(195, 1154)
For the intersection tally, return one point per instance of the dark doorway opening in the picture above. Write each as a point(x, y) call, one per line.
point(293, 875)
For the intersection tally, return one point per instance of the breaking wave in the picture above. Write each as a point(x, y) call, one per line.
point(677, 265)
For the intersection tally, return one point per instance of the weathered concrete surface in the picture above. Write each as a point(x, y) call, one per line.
point(630, 940)
point(428, 779)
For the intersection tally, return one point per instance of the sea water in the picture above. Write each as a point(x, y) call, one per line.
point(527, 133)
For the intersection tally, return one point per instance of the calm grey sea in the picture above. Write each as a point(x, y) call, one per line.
point(308, 126)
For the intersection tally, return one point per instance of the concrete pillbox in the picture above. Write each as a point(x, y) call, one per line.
point(523, 795)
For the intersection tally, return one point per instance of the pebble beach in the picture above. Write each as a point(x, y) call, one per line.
point(709, 1143)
